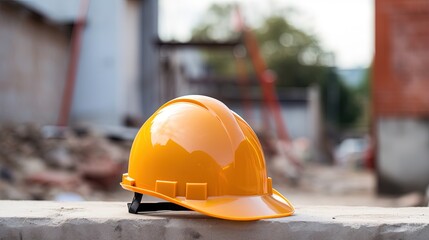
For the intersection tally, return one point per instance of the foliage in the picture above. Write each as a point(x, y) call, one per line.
point(363, 92)
point(339, 103)
point(216, 24)
point(364, 88)
point(294, 55)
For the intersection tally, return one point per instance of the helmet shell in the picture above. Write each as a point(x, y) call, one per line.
point(194, 148)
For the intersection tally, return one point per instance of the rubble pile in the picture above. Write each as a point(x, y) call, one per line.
point(76, 165)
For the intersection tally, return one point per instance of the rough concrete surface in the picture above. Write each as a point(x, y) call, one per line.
point(403, 155)
point(110, 220)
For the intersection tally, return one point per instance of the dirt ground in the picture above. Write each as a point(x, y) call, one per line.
point(330, 185)
point(83, 165)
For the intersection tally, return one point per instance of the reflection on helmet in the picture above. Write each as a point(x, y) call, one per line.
point(197, 154)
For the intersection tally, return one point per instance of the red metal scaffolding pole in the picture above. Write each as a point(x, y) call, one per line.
point(267, 81)
point(76, 43)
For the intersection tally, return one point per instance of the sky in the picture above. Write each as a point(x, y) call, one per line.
point(344, 27)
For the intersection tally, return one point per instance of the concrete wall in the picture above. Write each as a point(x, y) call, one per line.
point(99, 87)
point(130, 44)
point(110, 220)
point(297, 117)
point(149, 58)
point(117, 73)
point(33, 63)
point(403, 155)
point(108, 76)
point(400, 100)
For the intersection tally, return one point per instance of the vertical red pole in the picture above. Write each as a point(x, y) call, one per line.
point(267, 83)
point(76, 42)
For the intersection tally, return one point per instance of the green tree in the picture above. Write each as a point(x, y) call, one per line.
point(216, 24)
point(363, 92)
point(339, 103)
point(294, 55)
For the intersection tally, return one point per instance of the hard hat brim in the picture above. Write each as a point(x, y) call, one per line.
point(240, 208)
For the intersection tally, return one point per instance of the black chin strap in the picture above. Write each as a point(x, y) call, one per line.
point(136, 206)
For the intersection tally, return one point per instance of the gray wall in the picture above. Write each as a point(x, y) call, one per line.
point(403, 155)
point(98, 86)
point(297, 117)
point(33, 62)
point(150, 84)
point(108, 76)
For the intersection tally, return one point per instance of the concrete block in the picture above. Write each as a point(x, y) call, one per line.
point(110, 220)
point(403, 155)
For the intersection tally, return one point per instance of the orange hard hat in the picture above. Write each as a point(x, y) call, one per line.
point(197, 154)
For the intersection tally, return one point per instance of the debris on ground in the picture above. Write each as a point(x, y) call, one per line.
point(58, 165)
point(74, 164)
point(413, 199)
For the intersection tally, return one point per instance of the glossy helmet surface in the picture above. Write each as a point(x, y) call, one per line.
point(195, 152)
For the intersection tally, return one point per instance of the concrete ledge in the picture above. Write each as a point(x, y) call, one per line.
point(110, 220)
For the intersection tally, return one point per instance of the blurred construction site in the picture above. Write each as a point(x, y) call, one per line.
point(78, 78)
